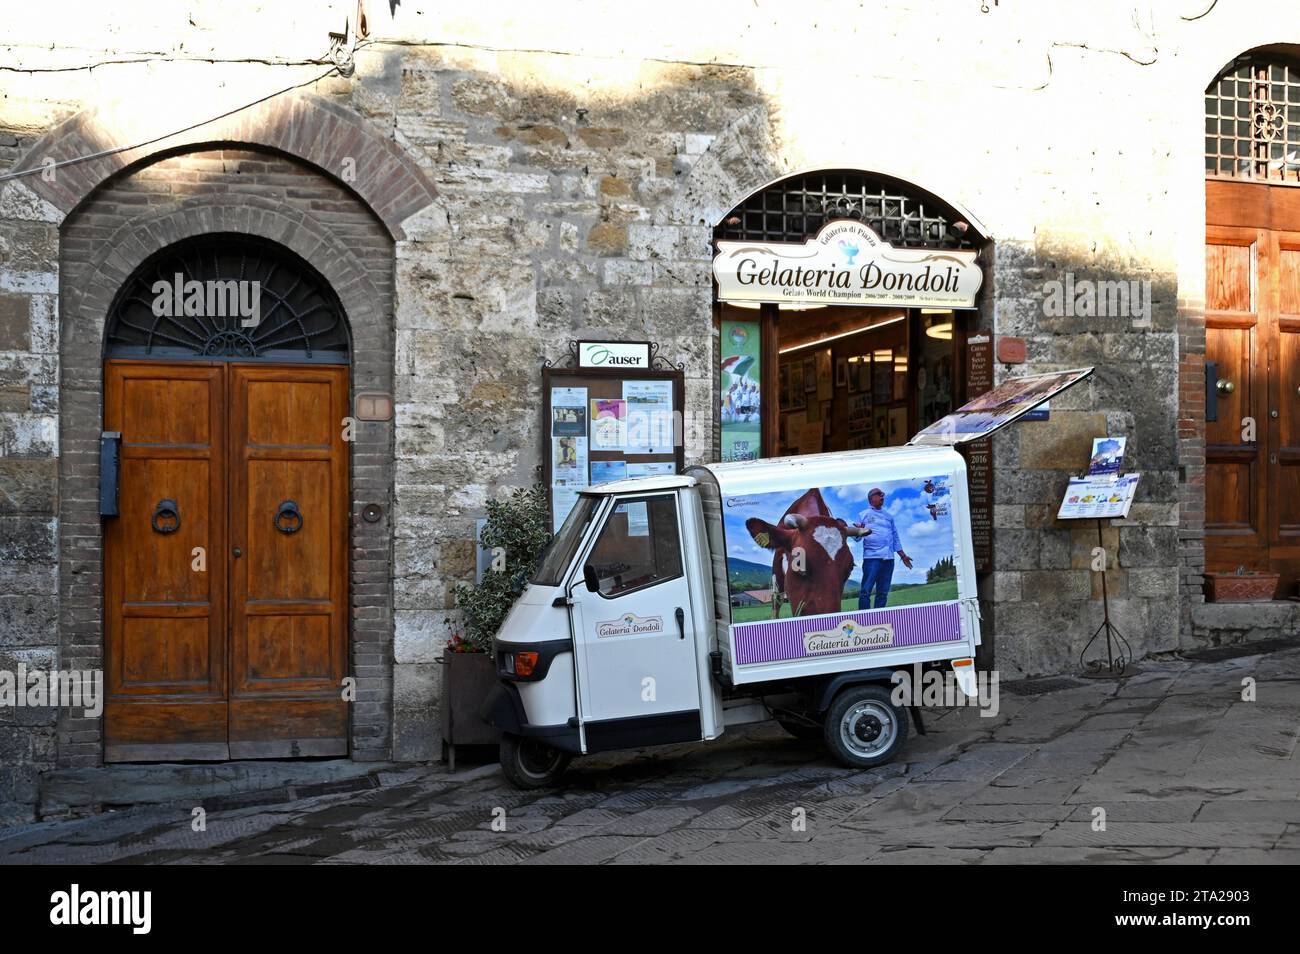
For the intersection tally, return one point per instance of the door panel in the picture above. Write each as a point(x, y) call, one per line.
point(637, 682)
point(165, 620)
point(289, 517)
point(1253, 332)
point(1235, 500)
point(243, 659)
point(1285, 449)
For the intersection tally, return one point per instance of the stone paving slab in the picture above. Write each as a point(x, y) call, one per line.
point(1186, 770)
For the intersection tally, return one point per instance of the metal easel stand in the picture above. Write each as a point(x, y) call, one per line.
point(1118, 651)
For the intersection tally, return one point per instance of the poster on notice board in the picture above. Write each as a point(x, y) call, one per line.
point(740, 392)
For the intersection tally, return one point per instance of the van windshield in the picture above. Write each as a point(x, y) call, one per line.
point(559, 552)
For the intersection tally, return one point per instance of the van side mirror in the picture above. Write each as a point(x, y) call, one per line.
point(589, 577)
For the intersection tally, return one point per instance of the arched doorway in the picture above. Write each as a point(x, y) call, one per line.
point(866, 375)
point(1252, 317)
point(226, 561)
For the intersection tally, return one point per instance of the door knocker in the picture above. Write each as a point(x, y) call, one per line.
point(288, 519)
point(169, 514)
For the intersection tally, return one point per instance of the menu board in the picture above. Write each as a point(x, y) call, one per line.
point(1098, 497)
point(604, 424)
point(1102, 492)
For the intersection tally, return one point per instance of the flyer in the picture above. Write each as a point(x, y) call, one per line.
point(603, 471)
point(608, 424)
point(1107, 455)
point(651, 470)
point(563, 499)
point(638, 518)
point(649, 416)
point(1098, 497)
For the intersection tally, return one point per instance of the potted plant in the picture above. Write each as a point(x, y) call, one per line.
point(515, 533)
point(1241, 586)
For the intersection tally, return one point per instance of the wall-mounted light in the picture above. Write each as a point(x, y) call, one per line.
point(843, 334)
point(938, 324)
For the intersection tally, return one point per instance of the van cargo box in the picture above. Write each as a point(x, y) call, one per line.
point(787, 566)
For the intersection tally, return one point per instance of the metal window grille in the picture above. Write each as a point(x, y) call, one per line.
point(297, 318)
point(795, 209)
point(1252, 121)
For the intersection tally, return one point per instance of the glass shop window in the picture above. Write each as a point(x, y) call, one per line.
point(639, 546)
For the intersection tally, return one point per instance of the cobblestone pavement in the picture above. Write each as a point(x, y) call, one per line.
point(1185, 770)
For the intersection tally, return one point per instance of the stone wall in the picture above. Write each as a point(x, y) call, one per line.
point(29, 405)
point(566, 217)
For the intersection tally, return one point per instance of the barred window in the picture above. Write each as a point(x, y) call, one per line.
point(1252, 120)
point(794, 209)
point(227, 297)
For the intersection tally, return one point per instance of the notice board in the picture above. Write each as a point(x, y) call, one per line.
point(608, 423)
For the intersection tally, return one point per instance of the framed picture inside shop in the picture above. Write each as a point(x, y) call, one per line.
point(602, 423)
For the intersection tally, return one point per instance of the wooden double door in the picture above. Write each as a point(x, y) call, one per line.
point(1252, 488)
point(225, 571)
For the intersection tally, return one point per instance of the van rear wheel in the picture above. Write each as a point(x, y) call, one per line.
point(528, 763)
point(864, 728)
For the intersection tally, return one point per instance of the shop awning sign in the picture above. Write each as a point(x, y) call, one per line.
point(846, 263)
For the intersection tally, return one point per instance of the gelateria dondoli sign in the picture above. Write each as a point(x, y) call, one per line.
point(846, 263)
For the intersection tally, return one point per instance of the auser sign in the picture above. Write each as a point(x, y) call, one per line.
point(846, 263)
point(613, 354)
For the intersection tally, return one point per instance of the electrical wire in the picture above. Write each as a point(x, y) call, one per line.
point(5, 177)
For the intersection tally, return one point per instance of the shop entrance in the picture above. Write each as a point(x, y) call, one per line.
point(226, 564)
point(806, 377)
point(849, 377)
point(802, 370)
point(1252, 318)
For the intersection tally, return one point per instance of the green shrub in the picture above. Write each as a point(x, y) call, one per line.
point(517, 531)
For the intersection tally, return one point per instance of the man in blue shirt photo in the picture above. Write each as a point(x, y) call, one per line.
point(879, 544)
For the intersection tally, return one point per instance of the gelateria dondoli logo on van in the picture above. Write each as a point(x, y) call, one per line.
point(848, 636)
point(846, 263)
point(630, 624)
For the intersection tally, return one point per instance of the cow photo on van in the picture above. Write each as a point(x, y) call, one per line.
point(840, 549)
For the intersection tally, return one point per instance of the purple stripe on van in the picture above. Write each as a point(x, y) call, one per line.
point(774, 640)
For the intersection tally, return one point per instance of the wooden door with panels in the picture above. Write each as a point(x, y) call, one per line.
point(226, 568)
point(1253, 341)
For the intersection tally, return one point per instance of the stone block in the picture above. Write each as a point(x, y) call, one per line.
point(1062, 443)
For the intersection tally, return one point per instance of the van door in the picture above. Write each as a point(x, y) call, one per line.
point(636, 658)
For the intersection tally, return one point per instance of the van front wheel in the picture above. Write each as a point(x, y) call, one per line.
point(528, 763)
point(864, 728)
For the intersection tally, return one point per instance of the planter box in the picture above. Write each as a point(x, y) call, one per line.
point(1243, 588)
point(467, 680)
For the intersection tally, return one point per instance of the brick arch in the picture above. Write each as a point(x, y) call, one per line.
point(137, 239)
point(309, 128)
point(90, 280)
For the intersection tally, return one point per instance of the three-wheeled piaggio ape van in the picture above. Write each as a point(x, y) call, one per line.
point(668, 608)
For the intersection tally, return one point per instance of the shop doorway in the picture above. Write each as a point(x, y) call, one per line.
point(801, 377)
point(226, 562)
point(1252, 319)
point(847, 377)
